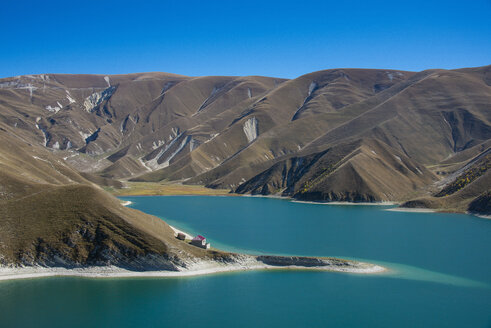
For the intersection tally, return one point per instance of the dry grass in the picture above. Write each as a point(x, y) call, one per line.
point(163, 189)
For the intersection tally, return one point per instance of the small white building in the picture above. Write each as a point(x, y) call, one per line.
point(200, 241)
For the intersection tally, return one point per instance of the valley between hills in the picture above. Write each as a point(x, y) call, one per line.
point(421, 139)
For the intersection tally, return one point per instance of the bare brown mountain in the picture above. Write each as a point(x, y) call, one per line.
point(341, 134)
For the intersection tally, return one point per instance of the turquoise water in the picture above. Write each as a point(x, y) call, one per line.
point(440, 272)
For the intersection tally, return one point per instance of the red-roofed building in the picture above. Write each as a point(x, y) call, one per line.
point(200, 241)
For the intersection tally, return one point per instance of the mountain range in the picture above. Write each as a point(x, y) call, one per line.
point(360, 135)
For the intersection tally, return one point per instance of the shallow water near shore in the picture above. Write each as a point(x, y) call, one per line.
point(440, 272)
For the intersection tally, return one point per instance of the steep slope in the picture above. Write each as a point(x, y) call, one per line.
point(279, 123)
point(429, 117)
point(50, 215)
point(237, 132)
point(360, 171)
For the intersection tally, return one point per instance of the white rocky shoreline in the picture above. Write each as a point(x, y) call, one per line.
point(247, 263)
point(197, 267)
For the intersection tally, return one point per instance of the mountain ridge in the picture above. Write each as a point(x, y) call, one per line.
point(228, 131)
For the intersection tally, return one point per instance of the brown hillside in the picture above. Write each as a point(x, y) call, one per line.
point(228, 132)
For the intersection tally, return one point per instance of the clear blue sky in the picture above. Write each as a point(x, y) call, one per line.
point(272, 38)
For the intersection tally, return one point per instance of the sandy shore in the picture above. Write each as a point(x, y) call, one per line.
point(264, 196)
point(176, 231)
point(201, 268)
point(194, 269)
point(126, 203)
point(346, 203)
point(248, 262)
point(293, 200)
point(482, 216)
point(413, 210)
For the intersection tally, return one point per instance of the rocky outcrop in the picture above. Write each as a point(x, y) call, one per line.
point(301, 261)
point(97, 98)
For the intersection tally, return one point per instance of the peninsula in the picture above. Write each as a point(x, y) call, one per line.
point(69, 141)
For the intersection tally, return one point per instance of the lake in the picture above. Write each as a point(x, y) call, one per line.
point(440, 272)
